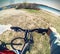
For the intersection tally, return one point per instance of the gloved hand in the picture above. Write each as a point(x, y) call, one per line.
point(50, 30)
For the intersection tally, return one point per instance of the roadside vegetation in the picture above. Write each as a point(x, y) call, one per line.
point(29, 19)
point(32, 11)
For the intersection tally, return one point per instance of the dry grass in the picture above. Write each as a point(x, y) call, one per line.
point(29, 19)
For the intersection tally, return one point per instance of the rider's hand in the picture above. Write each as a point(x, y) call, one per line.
point(51, 29)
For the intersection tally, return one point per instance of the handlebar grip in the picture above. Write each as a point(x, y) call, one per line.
point(40, 30)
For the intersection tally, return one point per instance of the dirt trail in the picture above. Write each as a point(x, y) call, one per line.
point(21, 18)
point(25, 19)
